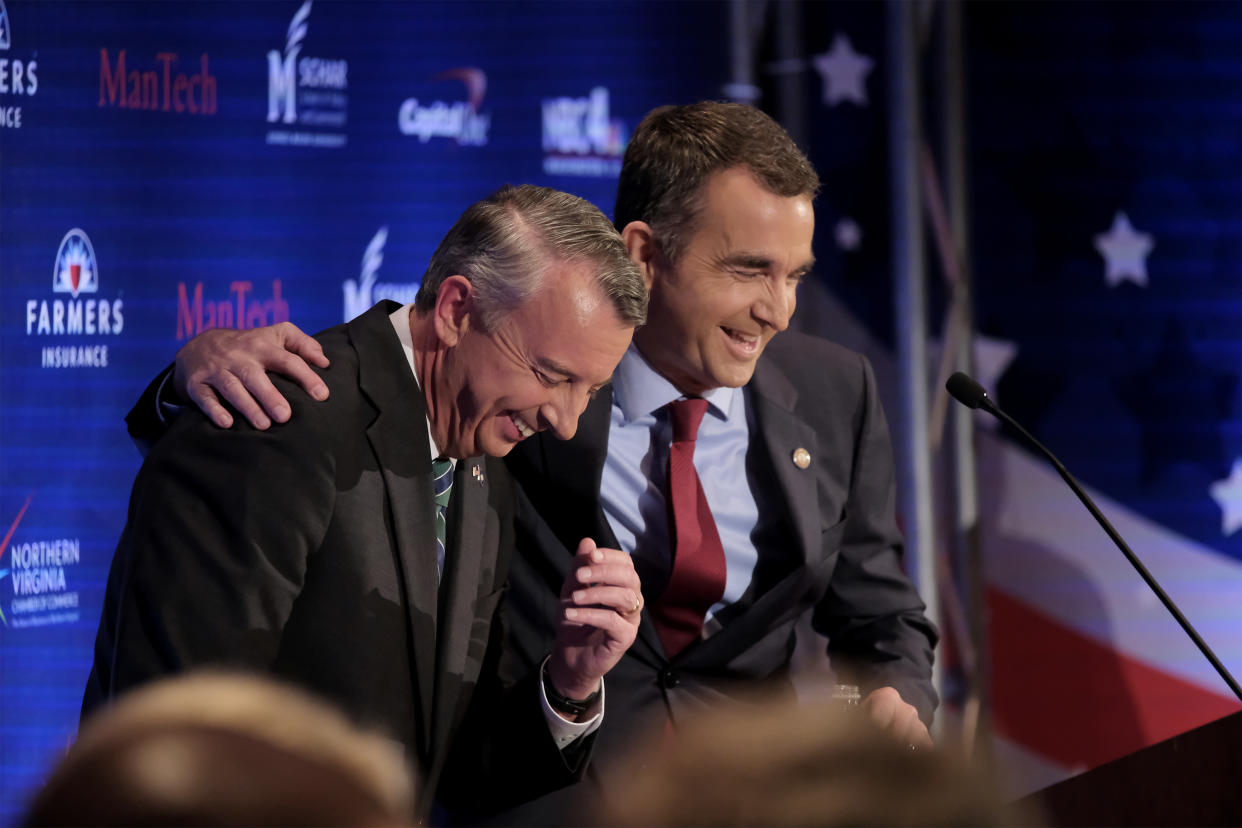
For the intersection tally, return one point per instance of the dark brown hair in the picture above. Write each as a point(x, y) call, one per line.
point(675, 149)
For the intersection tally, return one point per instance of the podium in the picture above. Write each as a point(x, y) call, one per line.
point(1194, 778)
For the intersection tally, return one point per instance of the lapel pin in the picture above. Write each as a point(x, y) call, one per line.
point(478, 473)
point(801, 458)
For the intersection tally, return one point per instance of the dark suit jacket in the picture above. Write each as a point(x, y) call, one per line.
point(308, 551)
point(827, 540)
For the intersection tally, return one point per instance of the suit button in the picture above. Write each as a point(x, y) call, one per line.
point(669, 679)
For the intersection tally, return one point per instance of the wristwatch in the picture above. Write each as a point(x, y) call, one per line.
point(564, 704)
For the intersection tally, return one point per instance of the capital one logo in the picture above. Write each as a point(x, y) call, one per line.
point(281, 75)
point(461, 120)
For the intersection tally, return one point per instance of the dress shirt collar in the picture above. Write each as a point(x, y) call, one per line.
point(639, 390)
point(401, 323)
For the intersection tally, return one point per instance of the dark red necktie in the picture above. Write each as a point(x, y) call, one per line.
point(697, 579)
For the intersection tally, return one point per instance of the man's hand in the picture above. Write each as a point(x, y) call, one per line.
point(885, 709)
point(234, 364)
point(601, 605)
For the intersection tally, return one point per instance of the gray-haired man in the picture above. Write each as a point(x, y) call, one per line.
point(344, 552)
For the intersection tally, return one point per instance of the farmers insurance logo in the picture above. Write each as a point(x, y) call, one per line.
point(311, 92)
point(75, 272)
point(41, 576)
point(362, 294)
point(580, 138)
point(18, 78)
point(460, 121)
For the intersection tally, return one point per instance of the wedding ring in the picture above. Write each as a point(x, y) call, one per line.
point(638, 605)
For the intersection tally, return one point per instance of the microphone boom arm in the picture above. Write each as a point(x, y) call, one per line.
point(966, 384)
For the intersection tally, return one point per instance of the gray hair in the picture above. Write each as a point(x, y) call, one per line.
point(504, 243)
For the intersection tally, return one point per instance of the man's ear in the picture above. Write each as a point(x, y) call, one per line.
point(642, 247)
point(454, 305)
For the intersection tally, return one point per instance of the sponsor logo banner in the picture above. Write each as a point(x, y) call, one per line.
point(309, 95)
point(367, 290)
point(19, 76)
point(76, 310)
point(162, 87)
point(580, 138)
point(242, 308)
point(460, 121)
point(36, 578)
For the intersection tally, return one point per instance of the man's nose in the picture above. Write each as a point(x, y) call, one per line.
point(562, 413)
point(775, 307)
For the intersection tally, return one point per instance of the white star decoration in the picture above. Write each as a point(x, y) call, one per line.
point(1125, 252)
point(848, 234)
point(1228, 496)
point(844, 72)
point(992, 359)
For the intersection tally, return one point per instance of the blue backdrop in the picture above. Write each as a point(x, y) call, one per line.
point(170, 167)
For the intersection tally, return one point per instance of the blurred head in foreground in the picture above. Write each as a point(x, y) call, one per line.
point(789, 765)
point(215, 749)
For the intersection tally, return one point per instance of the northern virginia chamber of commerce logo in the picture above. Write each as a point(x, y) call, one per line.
point(19, 78)
point(82, 313)
point(309, 94)
point(461, 121)
point(580, 137)
point(36, 578)
point(367, 290)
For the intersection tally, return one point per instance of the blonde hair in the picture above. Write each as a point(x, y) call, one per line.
point(785, 765)
point(153, 744)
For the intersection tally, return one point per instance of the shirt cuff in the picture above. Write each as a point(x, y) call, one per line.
point(565, 733)
point(164, 409)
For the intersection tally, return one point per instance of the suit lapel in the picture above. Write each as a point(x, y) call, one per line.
point(574, 469)
point(780, 432)
point(775, 432)
point(647, 646)
point(399, 438)
point(463, 564)
point(571, 473)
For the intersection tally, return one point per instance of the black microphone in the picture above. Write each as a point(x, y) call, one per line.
point(972, 395)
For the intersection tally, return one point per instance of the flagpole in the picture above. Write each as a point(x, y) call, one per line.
point(914, 457)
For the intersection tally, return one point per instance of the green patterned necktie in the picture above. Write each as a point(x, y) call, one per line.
point(442, 485)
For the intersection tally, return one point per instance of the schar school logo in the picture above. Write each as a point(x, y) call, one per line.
point(362, 294)
point(40, 572)
point(460, 121)
point(308, 91)
point(18, 77)
point(579, 137)
point(75, 272)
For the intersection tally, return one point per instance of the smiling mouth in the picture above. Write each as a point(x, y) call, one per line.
point(748, 342)
point(523, 429)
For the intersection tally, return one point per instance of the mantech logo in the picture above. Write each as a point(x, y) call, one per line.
point(163, 87)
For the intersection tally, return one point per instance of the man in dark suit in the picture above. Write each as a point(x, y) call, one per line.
point(329, 550)
point(792, 458)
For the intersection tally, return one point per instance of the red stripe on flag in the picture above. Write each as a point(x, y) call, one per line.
point(1078, 702)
